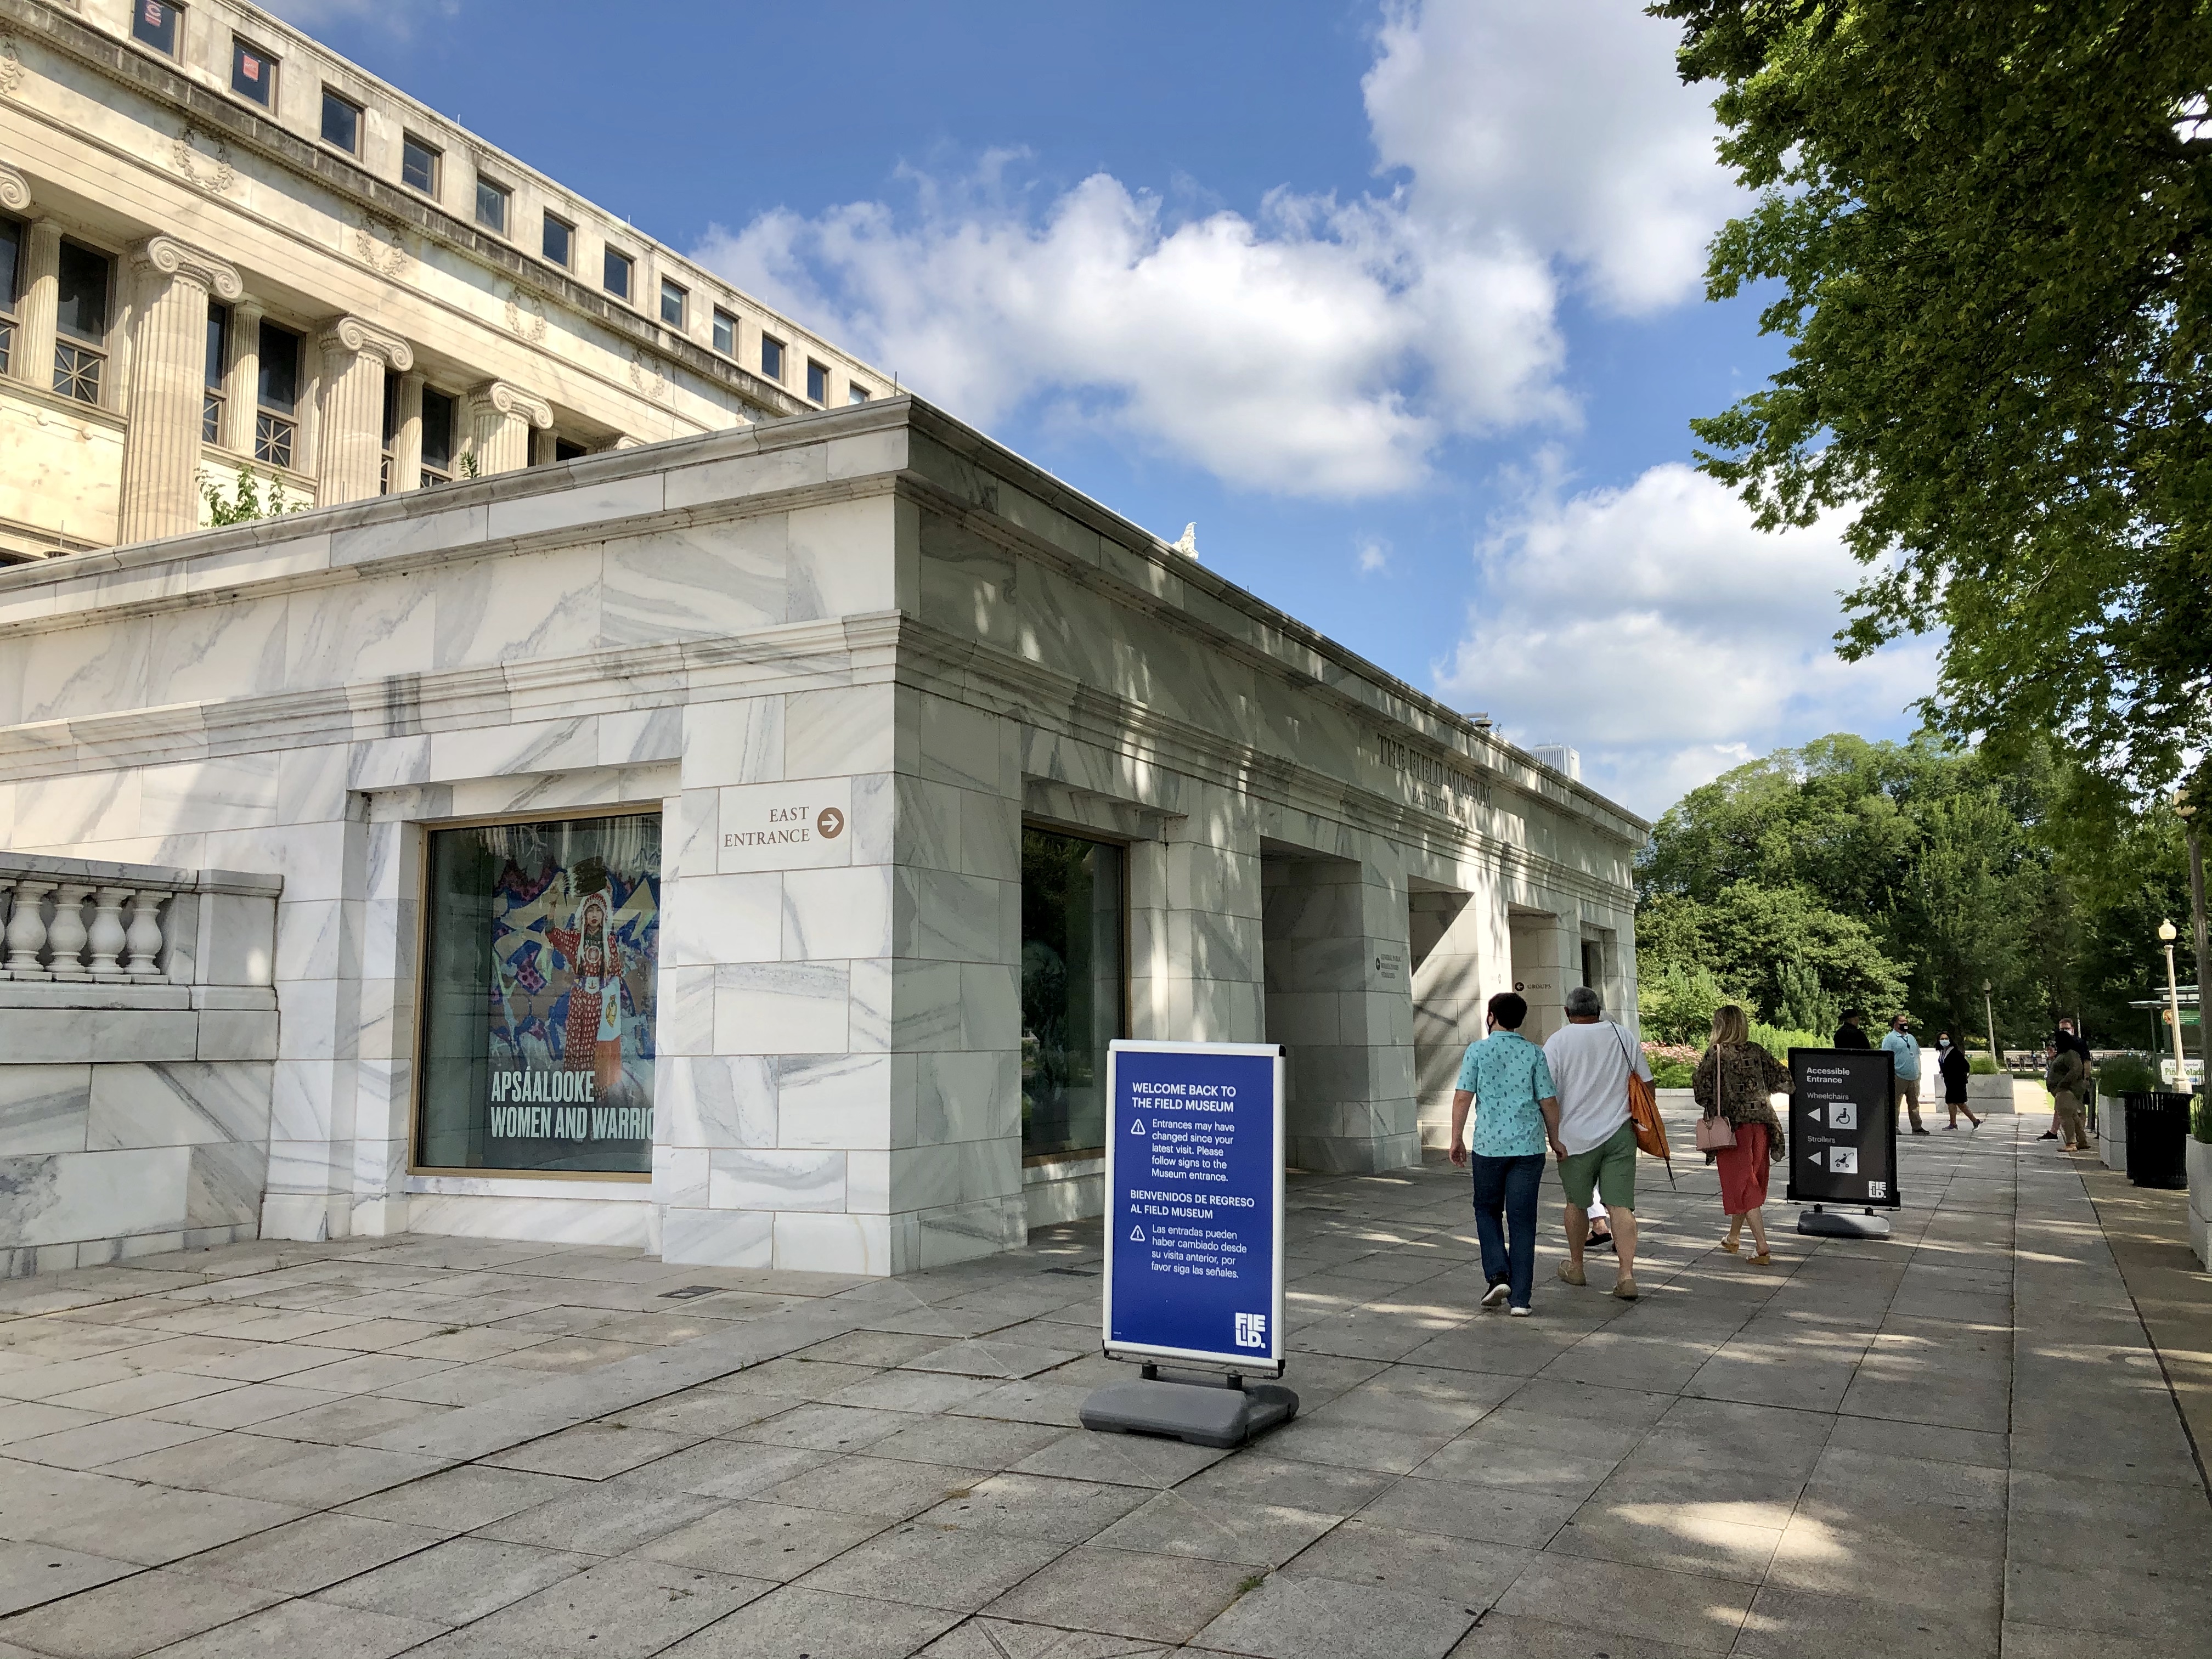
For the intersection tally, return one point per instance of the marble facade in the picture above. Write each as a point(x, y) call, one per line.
point(872, 610)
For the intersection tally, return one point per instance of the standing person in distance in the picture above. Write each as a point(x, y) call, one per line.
point(1852, 1034)
point(1735, 1077)
point(1590, 1059)
point(2062, 1073)
point(1506, 1080)
point(1955, 1069)
point(1901, 1042)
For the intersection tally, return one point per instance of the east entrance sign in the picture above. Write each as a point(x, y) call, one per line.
point(1194, 1204)
point(1843, 1128)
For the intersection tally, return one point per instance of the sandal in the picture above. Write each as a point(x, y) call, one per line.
point(1762, 1260)
point(1730, 1246)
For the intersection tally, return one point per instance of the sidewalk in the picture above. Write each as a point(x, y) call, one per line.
point(1955, 1444)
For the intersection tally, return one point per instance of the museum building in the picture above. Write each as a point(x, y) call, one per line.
point(741, 846)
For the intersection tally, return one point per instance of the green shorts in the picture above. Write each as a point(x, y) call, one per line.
point(1609, 1166)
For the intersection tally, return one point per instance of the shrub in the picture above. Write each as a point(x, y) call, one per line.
point(1778, 1041)
point(2128, 1074)
point(2200, 1118)
point(1981, 1063)
point(1680, 1073)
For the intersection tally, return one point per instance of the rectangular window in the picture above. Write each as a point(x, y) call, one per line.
point(418, 165)
point(818, 381)
point(438, 427)
point(541, 945)
point(856, 394)
point(11, 254)
point(674, 303)
point(157, 24)
point(618, 273)
point(218, 355)
point(492, 205)
point(1594, 965)
point(253, 74)
point(341, 122)
point(1073, 995)
point(771, 357)
point(725, 334)
point(81, 322)
point(559, 240)
point(565, 451)
point(390, 434)
point(274, 428)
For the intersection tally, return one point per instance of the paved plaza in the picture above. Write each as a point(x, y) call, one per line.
point(1960, 1442)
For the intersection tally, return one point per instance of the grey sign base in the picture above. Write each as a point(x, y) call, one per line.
point(1201, 1414)
point(1840, 1224)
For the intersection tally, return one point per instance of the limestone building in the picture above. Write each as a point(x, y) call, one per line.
point(222, 246)
point(731, 819)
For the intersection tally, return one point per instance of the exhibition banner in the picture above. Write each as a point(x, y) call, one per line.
point(1195, 1203)
point(1842, 1127)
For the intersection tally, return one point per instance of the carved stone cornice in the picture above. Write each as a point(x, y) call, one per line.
point(14, 188)
point(172, 257)
point(511, 400)
point(351, 334)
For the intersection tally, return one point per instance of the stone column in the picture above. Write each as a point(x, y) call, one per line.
point(242, 378)
point(407, 438)
point(355, 355)
point(37, 305)
point(500, 419)
point(162, 444)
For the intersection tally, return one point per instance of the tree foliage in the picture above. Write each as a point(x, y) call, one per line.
point(1984, 228)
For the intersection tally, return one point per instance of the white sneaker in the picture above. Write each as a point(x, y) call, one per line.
point(1497, 1294)
point(1519, 1313)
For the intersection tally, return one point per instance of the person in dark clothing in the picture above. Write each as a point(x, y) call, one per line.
point(1850, 1033)
point(1955, 1070)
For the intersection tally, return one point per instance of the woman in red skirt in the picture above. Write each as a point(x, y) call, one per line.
point(1733, 1079)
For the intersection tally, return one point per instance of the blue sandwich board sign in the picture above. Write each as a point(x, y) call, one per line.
point(1194, 1204)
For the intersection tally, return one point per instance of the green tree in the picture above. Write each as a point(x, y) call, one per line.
point(1985, 231)
point(245, 503)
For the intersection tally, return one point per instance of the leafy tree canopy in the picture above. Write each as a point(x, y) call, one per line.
point(1985, 231)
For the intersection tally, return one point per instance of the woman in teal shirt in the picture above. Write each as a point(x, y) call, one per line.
point(1508, 1082)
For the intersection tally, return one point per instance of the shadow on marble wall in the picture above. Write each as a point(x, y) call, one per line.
point(137, 1037)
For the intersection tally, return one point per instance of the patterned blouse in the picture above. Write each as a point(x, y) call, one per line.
point(1507, 1074)
point(1751, 1074)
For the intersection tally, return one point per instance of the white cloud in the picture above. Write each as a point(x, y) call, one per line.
point(399, 17)
point(1373, 555)
point(1566, 124)
point(1658, 631)
point(1313, 346)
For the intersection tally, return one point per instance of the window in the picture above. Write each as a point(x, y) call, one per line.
point(437, 425)
point(275, 426)
point(559, 240)
point(818, 381)
point(81, 322)
point(341, 122)
point(726, 334)
point(390, 434)
point(157, 24)
point(11, 255)
point(856, 394)
point(537, 996)
point(565, 451)
point(1594, 965)
point(253, 74)
point(618, 274)
point(218, 356)
point(674, 303)
point(492, 205)
point(418, 165)
point(1072, 988)
point(771, 357)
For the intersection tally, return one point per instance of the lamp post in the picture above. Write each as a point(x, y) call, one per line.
point(2166, 935)
point(1989, 1013)
point(2187, 810)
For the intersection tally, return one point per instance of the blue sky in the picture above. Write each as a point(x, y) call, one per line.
point(1400, 302)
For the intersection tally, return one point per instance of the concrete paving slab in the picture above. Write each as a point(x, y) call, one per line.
point(1289, 1618)
point(793, 1620)
point(1151, 1598)
point(456, 1581)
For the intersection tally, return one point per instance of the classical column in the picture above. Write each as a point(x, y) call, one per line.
point(242, 378)
point(407, 436)
point(355, 355)
point(162, 444)
point(37, 305)
point(500, 419)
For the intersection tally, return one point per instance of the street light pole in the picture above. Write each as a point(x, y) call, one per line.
point(2166, 934)
point(1989, 1013)
point(2188, 812)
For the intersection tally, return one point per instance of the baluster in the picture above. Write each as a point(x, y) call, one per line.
point(106, 938)
point(66, 937)
point(143, 937)
point(26, 930)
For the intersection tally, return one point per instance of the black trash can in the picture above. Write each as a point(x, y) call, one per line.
point(2158, 1130)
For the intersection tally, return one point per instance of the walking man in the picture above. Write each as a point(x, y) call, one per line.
point(1590, 1059)
point(1899, 1040)
point(1506, 1081)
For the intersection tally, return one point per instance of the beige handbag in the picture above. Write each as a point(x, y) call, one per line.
point(1716, 1133)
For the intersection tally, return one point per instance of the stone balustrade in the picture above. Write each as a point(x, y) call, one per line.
point(79, 920)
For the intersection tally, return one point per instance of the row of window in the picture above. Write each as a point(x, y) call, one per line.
point(160, 24)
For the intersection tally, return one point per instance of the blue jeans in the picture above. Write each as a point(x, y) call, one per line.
point(1505, 1220)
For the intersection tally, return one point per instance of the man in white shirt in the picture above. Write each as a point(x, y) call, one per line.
point(1590, 1059)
